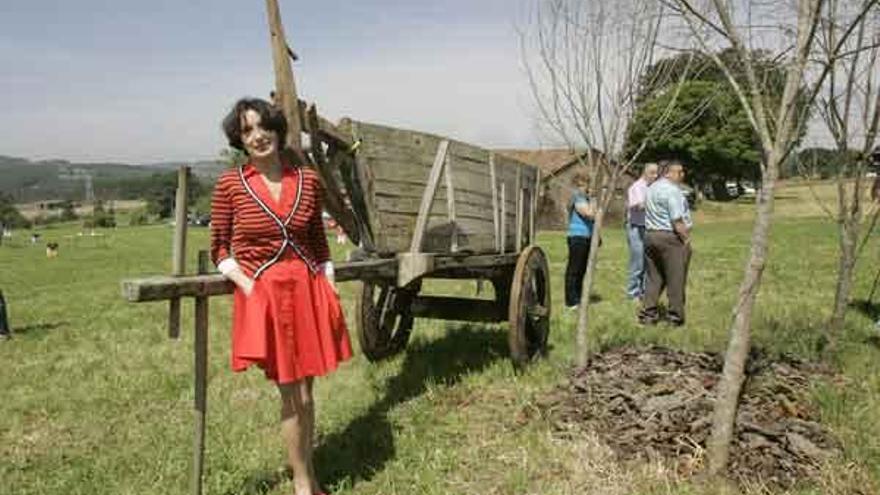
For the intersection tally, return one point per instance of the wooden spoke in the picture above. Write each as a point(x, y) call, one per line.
point(384, 318)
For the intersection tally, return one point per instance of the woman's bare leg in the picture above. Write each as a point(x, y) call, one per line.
point(310, 429)
point(296, 426)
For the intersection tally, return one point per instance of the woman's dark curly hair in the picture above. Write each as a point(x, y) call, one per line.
point(271, 119)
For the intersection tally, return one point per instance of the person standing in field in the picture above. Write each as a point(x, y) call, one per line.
point(580, 233)
point(267, 237)
point(5, 331)
point(667, 245)
point(636, 196)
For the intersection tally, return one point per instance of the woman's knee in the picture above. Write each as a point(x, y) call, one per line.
point(296, 396)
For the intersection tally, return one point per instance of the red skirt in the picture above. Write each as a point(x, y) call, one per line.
point(291, 325)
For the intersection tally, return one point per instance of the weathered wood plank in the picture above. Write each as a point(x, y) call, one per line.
point(503, 217)
point(494, 187)
point(364, 177)
point(285, 86)
point(428, 197)
point(178, 248)
point(519, 209)
point(415, 140)
point(475, 261)
point(388, 158)
point(323, 127)
point(409, 206)
point(450, 204)
point(334, 200)
point(533, 209)
point(200, 366)
point(160, 288)
point(399, 163)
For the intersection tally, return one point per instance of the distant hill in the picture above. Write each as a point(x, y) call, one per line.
point(27, 180)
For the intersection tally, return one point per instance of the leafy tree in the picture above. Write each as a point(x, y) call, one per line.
point(820, 163)
point(161, 189)
point(716, 138)
point(718, 141)
point(9, 214)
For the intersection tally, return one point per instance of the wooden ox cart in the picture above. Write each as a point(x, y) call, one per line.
point(422, 207)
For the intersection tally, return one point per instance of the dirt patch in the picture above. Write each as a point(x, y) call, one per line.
point(650, 403)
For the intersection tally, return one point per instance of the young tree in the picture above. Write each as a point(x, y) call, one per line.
point(716, 23)
point(849, 104)
point(585, 62)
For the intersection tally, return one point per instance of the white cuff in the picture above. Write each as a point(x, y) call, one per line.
point(327, 268)
point(227, 266)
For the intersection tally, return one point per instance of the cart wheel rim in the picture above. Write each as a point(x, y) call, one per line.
point(529, 310)
point(383, 320)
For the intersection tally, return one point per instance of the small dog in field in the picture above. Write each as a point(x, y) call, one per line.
point(52, 250)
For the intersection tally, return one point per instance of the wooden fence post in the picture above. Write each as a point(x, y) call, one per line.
point(200, 399)
point(178, 248)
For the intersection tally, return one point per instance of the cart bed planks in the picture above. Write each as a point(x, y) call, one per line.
point(395, 168)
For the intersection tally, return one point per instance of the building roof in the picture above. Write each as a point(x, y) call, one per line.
point(550, 161)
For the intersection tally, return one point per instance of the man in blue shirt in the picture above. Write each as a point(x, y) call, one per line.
point(667, 244)
point(580, 232)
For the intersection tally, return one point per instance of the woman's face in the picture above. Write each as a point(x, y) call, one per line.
point(258, 141)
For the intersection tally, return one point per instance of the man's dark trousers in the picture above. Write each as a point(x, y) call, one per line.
point(666, 261)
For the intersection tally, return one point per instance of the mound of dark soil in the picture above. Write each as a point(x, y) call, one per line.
point(657, 402)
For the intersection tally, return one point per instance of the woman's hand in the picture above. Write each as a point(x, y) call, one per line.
point(246, 286)
point(330, 275)
point(242, 281)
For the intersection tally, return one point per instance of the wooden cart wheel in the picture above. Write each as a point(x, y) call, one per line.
point(384, 319)
point(529, 309)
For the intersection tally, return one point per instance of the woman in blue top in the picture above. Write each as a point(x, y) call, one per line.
point(580, 232)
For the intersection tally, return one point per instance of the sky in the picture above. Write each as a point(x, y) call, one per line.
point(148, 81)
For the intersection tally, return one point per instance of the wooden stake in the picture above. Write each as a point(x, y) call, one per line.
point(428, 197)
point(533, 208)
point(492, 179)
point(503, 217)
point(518, 237)
point(285, 86)
point(450, 206)
point(178, 248)
point(200, 402)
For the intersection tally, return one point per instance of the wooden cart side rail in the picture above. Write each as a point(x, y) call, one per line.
point(165, 287)
point(159, 288)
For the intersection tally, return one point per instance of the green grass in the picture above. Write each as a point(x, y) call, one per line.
point(97, 400)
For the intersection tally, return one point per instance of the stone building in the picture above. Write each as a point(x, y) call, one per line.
point(558, 168)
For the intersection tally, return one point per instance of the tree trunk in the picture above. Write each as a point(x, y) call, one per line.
point(582, 348)
point(733, 375)
point(849, 228)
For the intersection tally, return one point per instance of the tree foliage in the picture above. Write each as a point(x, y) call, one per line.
point(9, 214)
point(717, 141)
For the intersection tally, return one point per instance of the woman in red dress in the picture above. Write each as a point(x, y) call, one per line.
point(267, 237)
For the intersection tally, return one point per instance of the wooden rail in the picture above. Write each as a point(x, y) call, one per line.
point(160, 288)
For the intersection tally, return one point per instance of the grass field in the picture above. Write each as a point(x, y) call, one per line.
point(97, 400)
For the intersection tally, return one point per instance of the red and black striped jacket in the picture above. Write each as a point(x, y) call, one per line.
point(247, 224)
